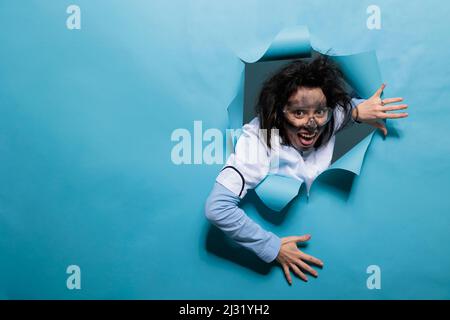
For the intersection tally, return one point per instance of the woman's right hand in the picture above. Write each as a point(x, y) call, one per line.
point(290, 257)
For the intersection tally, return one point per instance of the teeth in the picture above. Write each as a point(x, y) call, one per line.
point(307, 136)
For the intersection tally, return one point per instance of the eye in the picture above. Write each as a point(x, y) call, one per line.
point(321, 112)
point(299, 113)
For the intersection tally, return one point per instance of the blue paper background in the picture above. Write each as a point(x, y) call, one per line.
point(87, 179)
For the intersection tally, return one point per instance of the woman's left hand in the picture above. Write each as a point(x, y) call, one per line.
point(374, 109)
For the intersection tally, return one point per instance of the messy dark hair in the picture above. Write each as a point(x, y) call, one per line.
point(321, 72)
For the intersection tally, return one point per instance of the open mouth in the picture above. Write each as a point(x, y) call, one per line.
point(307, 139)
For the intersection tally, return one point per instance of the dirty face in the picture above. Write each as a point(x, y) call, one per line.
point(306, 114)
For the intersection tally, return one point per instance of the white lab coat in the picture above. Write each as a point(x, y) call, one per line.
point(251, 160)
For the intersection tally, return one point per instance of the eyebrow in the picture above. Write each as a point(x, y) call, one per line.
point(293, 104)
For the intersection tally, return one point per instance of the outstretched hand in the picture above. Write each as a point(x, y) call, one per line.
point(374, 109)
point(290, 257)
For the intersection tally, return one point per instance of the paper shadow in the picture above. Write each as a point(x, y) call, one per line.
point(219, 244)
point(337, 181)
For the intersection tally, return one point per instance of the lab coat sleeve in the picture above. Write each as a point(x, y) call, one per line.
point(222, 210)
point(339, 114)
point(249, 164)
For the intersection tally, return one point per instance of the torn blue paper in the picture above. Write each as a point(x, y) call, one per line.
point(360, 70)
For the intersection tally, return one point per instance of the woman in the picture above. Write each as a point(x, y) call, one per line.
point(306, 104)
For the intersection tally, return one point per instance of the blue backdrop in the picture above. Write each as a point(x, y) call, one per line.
point(85, 146)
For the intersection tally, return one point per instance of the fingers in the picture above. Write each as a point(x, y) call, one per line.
point(306, 267)
point(303, 238)
point(380, 126)
point(297, 271)
point(392, 100)
point(379, 91)
point(393, 115)
point(311, 259)
point(287, 274)
point(397, 107)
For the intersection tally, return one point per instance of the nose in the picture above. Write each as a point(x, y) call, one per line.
point(311, 124)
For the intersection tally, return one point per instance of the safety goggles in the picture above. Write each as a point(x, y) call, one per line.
point(302, 116)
